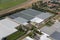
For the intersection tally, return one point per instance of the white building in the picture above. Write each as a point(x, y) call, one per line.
point(28, 38)
point(7, 27)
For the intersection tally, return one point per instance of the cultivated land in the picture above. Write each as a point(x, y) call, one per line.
point(15, 35)
point(4, 4)
point(26, 4)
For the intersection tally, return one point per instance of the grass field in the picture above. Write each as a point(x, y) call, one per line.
point(4, 4)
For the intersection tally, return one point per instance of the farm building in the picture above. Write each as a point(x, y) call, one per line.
point(30, 15)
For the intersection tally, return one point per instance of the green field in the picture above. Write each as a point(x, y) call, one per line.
point(15, 35)
point(4, 4)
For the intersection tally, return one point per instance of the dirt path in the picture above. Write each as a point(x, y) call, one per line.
point(24, 5)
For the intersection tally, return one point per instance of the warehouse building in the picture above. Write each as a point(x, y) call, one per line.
point(53, 31)
point(30, 15)
point(24, 16)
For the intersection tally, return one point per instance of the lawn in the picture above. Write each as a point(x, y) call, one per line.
point(15, 35)
point(4, 4)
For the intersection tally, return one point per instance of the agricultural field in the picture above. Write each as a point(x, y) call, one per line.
point(15, 35)
point(5, 4)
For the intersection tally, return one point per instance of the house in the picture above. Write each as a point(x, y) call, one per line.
point(53, 31)
point(7, 27)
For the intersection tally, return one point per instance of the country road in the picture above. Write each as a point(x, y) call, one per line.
point(23, 5)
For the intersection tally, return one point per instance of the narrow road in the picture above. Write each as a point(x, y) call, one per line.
point(23, 5)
